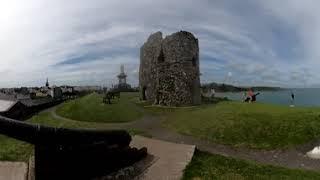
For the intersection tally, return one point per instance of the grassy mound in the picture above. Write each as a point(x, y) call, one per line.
point(91, 109)
point(208, 166)
point(261, 126)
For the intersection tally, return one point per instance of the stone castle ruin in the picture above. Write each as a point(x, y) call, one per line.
point(169, 69)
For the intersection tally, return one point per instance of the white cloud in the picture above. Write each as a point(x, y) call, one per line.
point(257, 41)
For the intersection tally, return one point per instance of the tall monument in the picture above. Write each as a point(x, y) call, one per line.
point(122, 76)
point(122, 85)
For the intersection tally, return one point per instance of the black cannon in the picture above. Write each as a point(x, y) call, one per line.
point(62, 153)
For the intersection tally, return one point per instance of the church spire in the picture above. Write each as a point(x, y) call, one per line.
point(47, 83)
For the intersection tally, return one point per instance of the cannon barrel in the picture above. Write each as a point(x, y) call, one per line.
point(51, 136)
point(62, 153)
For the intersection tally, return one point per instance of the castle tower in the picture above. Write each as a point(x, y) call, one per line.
point(169, 69)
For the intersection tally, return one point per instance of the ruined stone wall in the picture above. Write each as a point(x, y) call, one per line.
point(149, 54)
point(169, 69)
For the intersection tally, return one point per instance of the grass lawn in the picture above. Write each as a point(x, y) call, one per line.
point(14, 150)
point(91, 109)
point(208, 166)
point(260, 126)
point(45, 118)
point(252, 125)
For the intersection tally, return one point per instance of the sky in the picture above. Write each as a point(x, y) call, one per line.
point(81, 42)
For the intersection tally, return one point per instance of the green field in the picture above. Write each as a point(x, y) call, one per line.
point(14, 150)
point(91, 109)
point(260, 126)
point(205, 166)
point(255, 125)
point(45, 118)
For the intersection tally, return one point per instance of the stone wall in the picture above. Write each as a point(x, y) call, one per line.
point(169, 69)
point(149, 54)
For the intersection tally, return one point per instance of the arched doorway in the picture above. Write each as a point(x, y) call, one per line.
point(144, 89)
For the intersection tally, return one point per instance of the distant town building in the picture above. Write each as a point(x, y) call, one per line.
point(65, 89)
point(56, 93)
point(22, 96)
point(6, 96)
point(41, 94)
point(44, 91)
point(12, 109)
point(23, 90)
point(87, 88)
point(20, 103)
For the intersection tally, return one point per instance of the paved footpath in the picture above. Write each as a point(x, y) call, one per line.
point(13, 170)
point(170, 158)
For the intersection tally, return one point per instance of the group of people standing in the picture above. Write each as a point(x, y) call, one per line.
point(250, 96)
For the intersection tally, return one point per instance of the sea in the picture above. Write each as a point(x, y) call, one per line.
point(304, 97)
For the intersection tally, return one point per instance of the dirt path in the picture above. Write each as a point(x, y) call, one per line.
point(152, 125)
point(291, 158)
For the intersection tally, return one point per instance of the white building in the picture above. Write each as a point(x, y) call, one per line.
point(56, 92)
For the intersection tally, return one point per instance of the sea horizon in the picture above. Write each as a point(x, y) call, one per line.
point(304, 97)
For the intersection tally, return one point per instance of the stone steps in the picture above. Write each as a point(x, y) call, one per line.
point(170, 158)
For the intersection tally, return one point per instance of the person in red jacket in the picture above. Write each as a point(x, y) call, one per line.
point(249, 95)
point(250, 92)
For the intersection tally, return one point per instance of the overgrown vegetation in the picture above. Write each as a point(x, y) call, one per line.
point(208, 166)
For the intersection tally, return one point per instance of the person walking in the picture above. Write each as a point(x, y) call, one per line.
point(292, 99)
